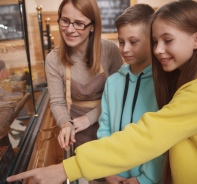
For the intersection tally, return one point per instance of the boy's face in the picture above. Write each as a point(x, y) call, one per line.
point(134, 46)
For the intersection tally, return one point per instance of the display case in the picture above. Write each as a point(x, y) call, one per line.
point(23, 88)
point(28, 132)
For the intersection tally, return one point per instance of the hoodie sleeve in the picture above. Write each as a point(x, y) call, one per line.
point(158, 131)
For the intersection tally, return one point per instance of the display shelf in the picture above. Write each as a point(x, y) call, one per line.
point(20, 73)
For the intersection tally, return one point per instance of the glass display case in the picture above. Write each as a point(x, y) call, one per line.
point(23, 88)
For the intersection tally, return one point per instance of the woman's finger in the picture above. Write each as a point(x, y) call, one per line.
point(72, 136)
point(67, 137)
point(61, 140)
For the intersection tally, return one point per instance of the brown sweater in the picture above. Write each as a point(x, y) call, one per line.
point(56, 74)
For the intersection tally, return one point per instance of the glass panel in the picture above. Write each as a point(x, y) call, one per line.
point(10, 27)
point(22, 81)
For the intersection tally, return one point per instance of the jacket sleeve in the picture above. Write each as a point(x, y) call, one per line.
point(104, 119)
point(133, 146)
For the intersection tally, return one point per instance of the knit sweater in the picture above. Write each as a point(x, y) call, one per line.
point(56, 78)
point(172, 128)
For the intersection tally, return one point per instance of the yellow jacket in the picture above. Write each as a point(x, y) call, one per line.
point(172, 128)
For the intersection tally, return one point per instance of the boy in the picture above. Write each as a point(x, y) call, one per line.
point(129, 93)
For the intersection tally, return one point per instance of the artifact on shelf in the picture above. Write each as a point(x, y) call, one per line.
point(12, 86)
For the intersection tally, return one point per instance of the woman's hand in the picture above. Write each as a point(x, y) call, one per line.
point(115, 179)
point(66, 136)
point(54, 174)
point(81, 123)
point(67, 133)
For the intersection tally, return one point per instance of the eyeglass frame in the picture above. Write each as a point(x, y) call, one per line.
point(85, 25)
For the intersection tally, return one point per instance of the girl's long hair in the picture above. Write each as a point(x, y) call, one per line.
point(88, 8)
point(181, 15)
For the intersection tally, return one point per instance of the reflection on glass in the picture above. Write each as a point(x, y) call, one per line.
point(17, 109)
point(10, 22)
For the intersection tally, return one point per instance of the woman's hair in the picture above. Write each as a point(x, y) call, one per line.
point(88, 8)
point(181, 15)
point(136, 14)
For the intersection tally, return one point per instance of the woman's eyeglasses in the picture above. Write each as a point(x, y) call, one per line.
point(76, 25)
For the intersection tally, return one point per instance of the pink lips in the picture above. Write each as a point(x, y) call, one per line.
point(69, 37)
point(165, 60)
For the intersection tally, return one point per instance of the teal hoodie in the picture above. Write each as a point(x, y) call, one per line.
point(113, 112)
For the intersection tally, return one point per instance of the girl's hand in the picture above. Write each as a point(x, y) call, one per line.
point(53, 174)
point(66, 136)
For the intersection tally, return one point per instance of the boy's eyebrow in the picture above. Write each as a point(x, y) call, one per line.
point(129, 37)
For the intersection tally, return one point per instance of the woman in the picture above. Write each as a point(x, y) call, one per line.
point(76, 71)
point(173, 127)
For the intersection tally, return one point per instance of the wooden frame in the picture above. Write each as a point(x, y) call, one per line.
point(4, 2)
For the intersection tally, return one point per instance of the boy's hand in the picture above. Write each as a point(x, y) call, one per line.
point(115, 179)
point(131, 181)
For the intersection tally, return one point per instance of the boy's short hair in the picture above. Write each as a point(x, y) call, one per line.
point(136, 14)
